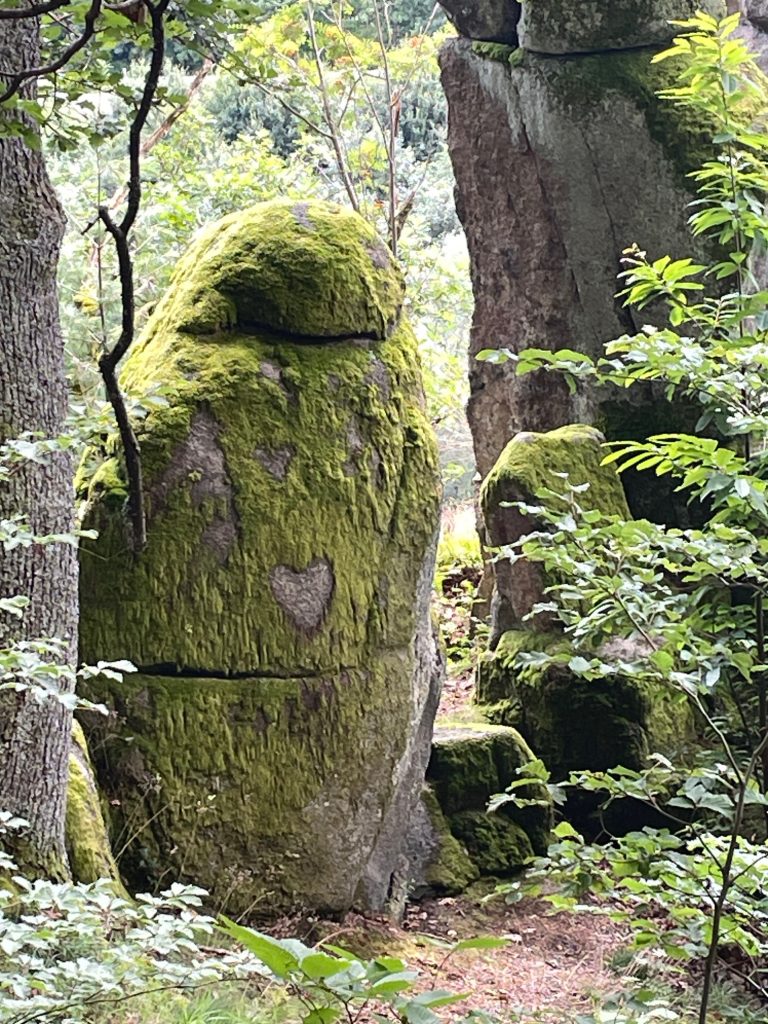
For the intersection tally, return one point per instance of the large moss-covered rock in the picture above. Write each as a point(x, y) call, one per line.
point(577, 724)
point(589, 26)
point(274, 744)
point(530, 464)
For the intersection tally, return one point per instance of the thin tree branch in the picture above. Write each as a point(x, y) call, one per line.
point(33, 11)
point(18, 78)
point(120, 235)
point(341, 163)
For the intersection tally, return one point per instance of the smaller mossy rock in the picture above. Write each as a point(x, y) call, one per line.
point(474, 761)
point(529, 464)
point(491, 20)
point(308, 269)
point(448, 868)
point(87, 842)
point(575, 724)
point(591, 26)
point(496, 844)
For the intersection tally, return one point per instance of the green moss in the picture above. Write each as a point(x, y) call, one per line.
point(315, 455)
point(574, 723)
point(258, 788)
point(472, 762)
point(497, 845)
point(309, 269)
point(500, 52)
point(278, 608)
point(584, 86)
point(530, 461)
point(87, 843)
point(451, 870)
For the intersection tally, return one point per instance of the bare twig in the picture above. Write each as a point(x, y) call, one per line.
point(333, 129)
point(17, 79)
point(120, 235)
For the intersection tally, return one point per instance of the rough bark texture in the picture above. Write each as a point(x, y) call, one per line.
point(34, 739)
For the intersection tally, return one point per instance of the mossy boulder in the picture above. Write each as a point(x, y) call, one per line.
point(470, 763)
point(573, 723)
point(532, 463)
point(87, 842)
point(589, 26)
point(274, 743)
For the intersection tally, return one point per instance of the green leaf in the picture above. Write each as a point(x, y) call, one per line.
point(280, 961)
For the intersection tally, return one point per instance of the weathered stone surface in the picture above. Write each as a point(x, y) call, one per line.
point(528, 464)
point(560, 164)
point(277, 735)
point(757, 12)
point(491, 20)
point(576, 724)
point(592, 26)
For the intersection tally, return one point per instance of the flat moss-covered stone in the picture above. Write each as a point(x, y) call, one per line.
point(277, 736)
point(87, 842)
point(576, 724)
point(309, 269)
point(588, 26)
point(530, 464)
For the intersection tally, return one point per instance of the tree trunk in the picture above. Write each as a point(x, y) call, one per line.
point(34, 738)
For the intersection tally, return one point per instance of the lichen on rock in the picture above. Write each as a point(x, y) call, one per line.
point(280, 607)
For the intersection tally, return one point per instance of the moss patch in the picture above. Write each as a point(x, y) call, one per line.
point(451, 869)
point(309, 269)
point(260, 787)
point(497, 845)
point(530, 462)
point(584, 86)
point(500, 52)
point(574, 723)
point(87, 843)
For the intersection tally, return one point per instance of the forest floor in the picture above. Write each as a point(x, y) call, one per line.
point(552, 968)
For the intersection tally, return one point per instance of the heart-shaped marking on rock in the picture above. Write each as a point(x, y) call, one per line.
point(304, 594)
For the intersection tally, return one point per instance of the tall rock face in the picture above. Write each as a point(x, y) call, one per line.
point(563, 157)
point(273, 745)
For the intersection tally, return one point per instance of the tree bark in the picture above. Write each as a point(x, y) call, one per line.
point(34, 738)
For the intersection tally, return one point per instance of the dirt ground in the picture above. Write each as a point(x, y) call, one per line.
point(550, 970)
